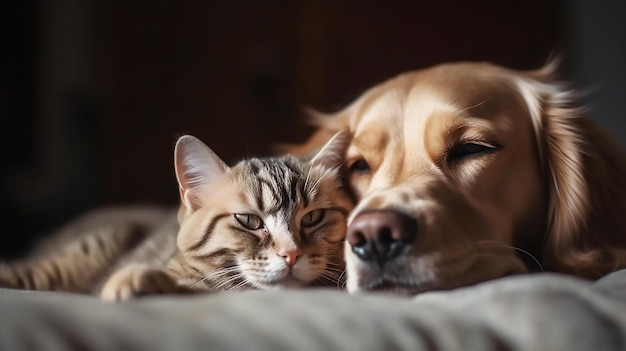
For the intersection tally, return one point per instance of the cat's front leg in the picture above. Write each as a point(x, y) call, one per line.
point(138, 280)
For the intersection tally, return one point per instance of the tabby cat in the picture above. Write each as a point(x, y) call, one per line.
point(265, 223)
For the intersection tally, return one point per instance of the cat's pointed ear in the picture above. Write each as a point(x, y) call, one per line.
point(333, 153)
point(196, 166)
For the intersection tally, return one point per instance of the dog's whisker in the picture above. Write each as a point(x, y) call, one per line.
point(493, 243)
point(472, 107)
point(509, 264)
point(527, 253)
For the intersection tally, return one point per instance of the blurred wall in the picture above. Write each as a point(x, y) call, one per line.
point(597, 47)
point(94, 93)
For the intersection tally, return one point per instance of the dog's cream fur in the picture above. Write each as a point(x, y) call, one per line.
point(547, 184)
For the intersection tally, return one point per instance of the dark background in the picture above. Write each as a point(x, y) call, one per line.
point(94, 93)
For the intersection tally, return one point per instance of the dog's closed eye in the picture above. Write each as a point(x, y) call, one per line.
point(359, 166)
point(465, 150)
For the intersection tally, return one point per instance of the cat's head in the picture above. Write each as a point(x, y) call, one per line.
point(265, 222)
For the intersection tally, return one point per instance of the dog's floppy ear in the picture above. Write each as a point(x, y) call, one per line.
point(586, 170)
point(326, 125)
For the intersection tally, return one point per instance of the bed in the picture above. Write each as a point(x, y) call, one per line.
point(540, 311)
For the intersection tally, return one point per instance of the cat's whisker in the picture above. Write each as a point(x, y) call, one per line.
point(319, 180)
point(337, 272)
point(315, 184)
point(334, 264)
point(332, 277)
point(341, 281)
point(235, 277)
point(335, 268)
point(237, 286)
point(331, 258)
point(308, 176)
point(222, 272)
point(330, 255)
point(216, 274)
point(202, 280)
point(221, 285)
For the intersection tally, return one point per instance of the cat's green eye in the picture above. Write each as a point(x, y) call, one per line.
point(312, 218)
point(250, 221)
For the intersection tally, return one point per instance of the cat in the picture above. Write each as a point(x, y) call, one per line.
point(264, 223)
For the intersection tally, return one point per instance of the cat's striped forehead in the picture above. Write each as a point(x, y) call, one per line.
point(273, 184)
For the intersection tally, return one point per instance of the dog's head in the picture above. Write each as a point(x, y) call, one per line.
point(467, 172)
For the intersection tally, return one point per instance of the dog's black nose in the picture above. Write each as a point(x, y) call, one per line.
point(381, 235)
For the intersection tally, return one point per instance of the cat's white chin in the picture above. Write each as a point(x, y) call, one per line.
point(277, 275)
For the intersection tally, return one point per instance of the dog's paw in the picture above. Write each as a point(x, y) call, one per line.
point(138, 280)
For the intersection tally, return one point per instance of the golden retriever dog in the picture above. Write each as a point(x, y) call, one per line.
point(467, 172)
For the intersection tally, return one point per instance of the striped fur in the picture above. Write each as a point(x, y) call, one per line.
point(219, 252)
point(79, 257)
point(204, 247)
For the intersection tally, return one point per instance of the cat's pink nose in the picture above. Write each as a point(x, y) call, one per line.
point(291, 256)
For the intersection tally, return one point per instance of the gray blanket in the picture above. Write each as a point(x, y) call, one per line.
point(532, 312)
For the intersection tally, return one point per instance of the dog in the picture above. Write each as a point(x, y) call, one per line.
point(466, 172)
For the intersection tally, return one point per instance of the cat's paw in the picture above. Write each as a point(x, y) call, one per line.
point(138, 280)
